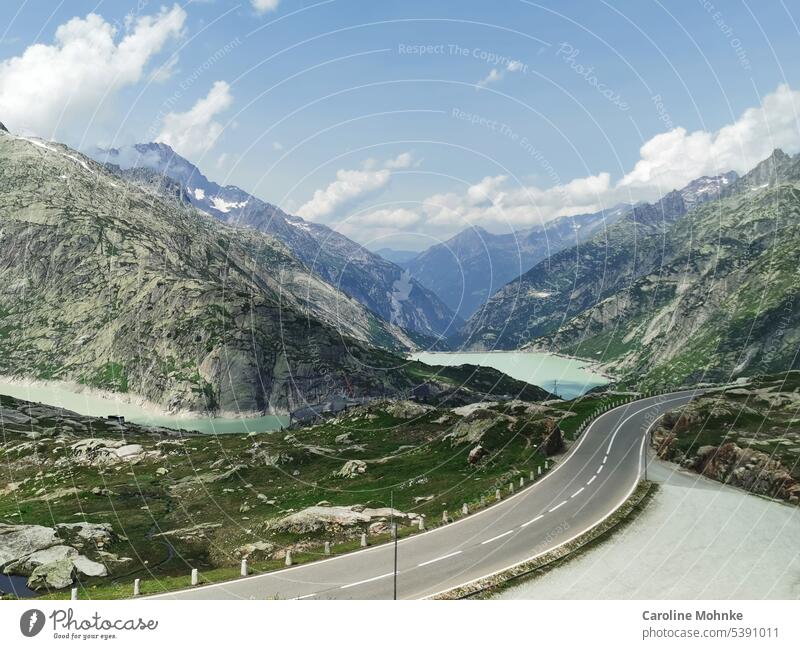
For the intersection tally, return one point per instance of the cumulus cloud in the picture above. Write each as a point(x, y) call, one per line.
point(667, 161)
point(195, 131)
point(672, 159)
point(350, 184)
point(353, 184)
point(403, 161)
point(62, 84)
point(263, 6)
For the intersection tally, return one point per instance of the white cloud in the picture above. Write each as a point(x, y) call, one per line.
point(353, 184)
point(195, 131)
point(63, 84)
point(493, 76)
point(263, 6)
point(350, 184)
point(667, 161)
point(402, 161)
point(672, 159)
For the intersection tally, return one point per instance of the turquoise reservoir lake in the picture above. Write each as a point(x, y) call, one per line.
point(567, 377)
point(93, 405)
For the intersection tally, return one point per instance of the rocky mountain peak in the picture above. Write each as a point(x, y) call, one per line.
point(3, 127)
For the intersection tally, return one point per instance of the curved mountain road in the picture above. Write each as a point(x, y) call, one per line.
point(595, 477)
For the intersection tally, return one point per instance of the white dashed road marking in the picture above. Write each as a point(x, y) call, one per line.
point(564, 502)
point(533, 520)
point(577, 492)
point(447, 556)
point(366, 581)
point(494, 538)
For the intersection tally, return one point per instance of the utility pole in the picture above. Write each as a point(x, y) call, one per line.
point(394, 534)
point(555, 387)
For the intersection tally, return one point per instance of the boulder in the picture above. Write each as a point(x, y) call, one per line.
point(89, 568)
point(259, 550)
point(476, 454)
point(55, 575)
point(331, 519)
point(407, 409)
point(26, 565)
point(17, 541)
point(352, 469)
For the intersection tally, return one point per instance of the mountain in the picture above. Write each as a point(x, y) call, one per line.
point(468, 268)
point(673, 295)
point(382, 286)
point(399, 257)
point(113, 280)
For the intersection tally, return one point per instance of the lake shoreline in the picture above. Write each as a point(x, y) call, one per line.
point(135, 408)
point(571, 377)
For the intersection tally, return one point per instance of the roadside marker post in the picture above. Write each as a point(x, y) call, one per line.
point(289, 561)
point(137, 587)
point(243, 571)
point(327, 548)
point(465, 509)
point(74, 594)
point(195, 577)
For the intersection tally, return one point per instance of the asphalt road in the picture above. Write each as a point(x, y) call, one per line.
point(586, 486)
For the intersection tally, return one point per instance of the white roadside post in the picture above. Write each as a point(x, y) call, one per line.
point(422, 523)
point(464, 509)
point(327, 548)
point(288, 558)
point(497, 494)
point(363, 540)
point(444, 516)
point(74, 594)
point(243, 571)
point(195, 577)
point(137, 587)
point(521, 482)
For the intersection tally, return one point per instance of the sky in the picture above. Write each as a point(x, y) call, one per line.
point(402, 123)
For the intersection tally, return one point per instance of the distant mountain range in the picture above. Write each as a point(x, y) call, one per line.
point(382, 286)
point(700, 285)
point(399, 257)
point(468, 268)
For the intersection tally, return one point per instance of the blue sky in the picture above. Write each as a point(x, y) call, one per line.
point(401, 123)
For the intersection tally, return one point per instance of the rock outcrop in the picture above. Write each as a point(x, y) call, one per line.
point(51, 557)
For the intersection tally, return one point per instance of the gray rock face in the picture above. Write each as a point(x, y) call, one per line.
point(149, 296)
point(315, 519)
point(380, 285)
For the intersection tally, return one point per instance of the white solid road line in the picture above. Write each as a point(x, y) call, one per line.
point(366, 581)
point(591, 480)
point(447, 556)
point(563, 502)
point(533, 520)
point(494, 538)
point(577, 492)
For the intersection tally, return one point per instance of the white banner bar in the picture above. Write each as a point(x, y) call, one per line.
point(334, 624)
